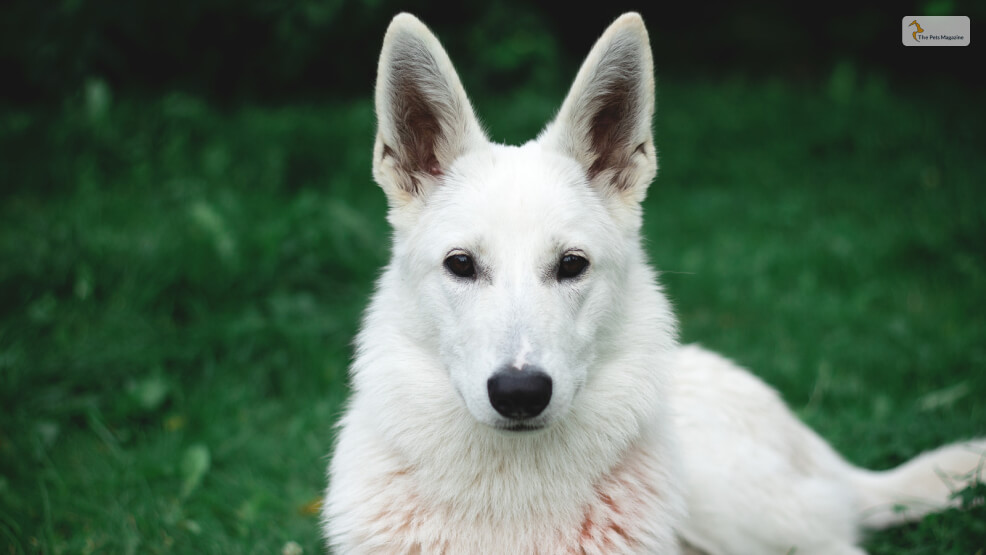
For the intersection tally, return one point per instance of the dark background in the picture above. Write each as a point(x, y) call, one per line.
point(237, 50)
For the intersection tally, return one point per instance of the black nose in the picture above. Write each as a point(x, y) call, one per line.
point(520, 393)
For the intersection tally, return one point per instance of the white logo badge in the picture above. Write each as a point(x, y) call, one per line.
point(935, 30)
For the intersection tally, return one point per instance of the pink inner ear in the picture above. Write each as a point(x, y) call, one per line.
point(433, 167)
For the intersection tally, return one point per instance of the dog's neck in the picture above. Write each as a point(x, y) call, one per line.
point(576, 485)
point(533, 472)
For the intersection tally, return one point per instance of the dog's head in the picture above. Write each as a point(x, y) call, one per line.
point(514, 260)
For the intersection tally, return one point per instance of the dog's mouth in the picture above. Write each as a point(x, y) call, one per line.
point(520, 427)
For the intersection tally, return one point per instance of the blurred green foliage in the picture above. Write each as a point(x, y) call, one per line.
point(178, 292)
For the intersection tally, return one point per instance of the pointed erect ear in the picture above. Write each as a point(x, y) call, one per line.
point(424, 119)
point(605, 121)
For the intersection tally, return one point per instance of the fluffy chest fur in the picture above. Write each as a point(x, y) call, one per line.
point(399, 509)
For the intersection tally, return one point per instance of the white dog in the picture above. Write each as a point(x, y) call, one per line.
point(517, 385)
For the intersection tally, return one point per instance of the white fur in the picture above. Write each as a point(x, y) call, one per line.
point(643, 443)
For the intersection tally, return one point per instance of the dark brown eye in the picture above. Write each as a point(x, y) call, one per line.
point(461, 265)
point(571, 266)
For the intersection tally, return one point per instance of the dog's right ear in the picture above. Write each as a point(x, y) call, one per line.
point(424, 119)
point(605, 121)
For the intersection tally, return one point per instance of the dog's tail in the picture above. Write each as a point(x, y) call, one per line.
point(923, 485)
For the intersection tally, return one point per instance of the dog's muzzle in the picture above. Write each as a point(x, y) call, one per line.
point(519, 394)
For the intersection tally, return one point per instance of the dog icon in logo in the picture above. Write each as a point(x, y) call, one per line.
point(915, 33)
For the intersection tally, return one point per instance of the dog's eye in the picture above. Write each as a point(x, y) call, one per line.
point(571, 266)
point(461, 265)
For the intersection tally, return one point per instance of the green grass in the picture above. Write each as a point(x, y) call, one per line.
point(180, 284)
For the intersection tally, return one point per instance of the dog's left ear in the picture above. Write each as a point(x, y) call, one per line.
point(424, 119)
point(605, 121)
